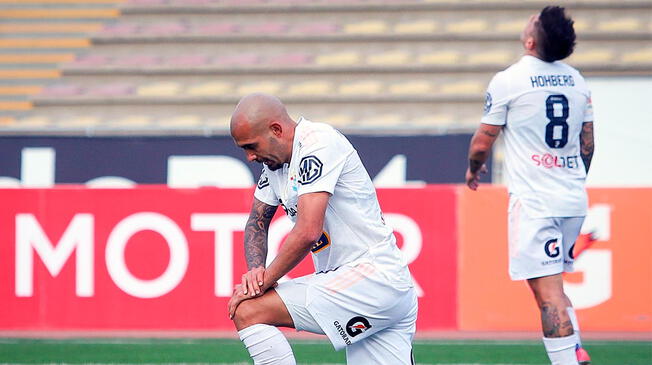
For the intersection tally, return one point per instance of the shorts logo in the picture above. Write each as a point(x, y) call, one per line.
point(551, 248)
point(309, 169)
point(357, 325)
point(263, 182)
point(487, 104)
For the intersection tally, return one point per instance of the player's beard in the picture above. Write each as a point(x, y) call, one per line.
point(273, 166)
point(277, 147)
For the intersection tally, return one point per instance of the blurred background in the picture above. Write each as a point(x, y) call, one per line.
point(133, 93)
point(369, 67)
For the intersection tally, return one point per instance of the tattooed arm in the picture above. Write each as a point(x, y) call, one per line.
point(255, 246)
point(586, 144)
point(255, 233)
point(481, 144)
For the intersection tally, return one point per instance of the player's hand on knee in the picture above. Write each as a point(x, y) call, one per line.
point(252, 281)
point(236, 298)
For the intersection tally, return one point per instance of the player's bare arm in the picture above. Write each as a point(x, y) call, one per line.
point(586, 144)
point(255, 233)
point(479, 150)
point(306, 231)
point(255, 245)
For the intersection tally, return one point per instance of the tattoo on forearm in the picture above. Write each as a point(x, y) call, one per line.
point(255, 233)
point(586, 144)
point(551, 323)
point(488, 133)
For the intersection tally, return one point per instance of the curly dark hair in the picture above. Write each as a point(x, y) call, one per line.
point(555, 34)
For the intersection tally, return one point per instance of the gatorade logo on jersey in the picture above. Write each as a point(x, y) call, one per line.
point(551, 248)
point(357, 325)
point(309, 169)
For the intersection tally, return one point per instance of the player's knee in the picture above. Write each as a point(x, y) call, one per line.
point(548, 294)
point(247, 314)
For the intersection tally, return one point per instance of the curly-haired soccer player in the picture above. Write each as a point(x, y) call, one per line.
point(543, 107)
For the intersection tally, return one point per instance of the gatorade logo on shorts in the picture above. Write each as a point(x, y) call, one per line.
point(551, 248)
point(357, 325)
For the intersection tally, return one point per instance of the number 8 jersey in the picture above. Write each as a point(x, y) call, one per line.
point(542, 106)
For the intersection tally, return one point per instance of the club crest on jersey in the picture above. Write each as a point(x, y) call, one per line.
point(323, 242)
point(309, 169)
point(487, 103)
point(357, 325)
point(552, 250)
point(263, 181)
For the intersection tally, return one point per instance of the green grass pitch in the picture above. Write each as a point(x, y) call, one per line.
point(231, 351)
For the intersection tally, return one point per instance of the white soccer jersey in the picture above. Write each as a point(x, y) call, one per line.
point(542, 107)
point(323, 160)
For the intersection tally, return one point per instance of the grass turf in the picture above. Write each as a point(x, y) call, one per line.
point(229, 351)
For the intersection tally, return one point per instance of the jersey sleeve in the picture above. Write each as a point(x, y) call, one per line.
point(322, 162)
point(496, 101)
point(264, 191)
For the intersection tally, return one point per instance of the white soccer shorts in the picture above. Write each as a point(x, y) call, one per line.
point(540, 246)
point(356, 308)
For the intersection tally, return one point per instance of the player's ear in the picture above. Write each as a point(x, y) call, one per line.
point(276, 129)
point(530, 43)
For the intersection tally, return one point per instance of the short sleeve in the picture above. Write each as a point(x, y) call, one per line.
point(588, 112)
point(321, 164)
point(496, 101)
point(264, 191)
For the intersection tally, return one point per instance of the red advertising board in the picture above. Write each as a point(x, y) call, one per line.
point(154, 258)
point(611, 288)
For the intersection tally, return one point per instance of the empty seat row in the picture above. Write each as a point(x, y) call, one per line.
point(345, 58)
point(315, 88)
point(178, 3)
point(379, 27)
point(221, 123)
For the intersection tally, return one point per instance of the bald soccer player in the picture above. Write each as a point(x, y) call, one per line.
point(361, 295)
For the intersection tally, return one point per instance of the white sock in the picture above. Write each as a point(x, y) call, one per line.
point(576, 325)
point(561, 350)
point(267, 345)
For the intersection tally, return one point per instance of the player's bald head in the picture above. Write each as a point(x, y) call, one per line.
point(261, 126)
point(256, 111)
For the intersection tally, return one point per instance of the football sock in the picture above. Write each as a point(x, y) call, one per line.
point(267, 345)
point(561, 350)
point(576, 325)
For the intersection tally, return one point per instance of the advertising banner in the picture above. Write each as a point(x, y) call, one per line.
point(188, 162)
point(154, 258)
point(611, 288)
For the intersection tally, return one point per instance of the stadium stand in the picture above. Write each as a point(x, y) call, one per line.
point(178, 66)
